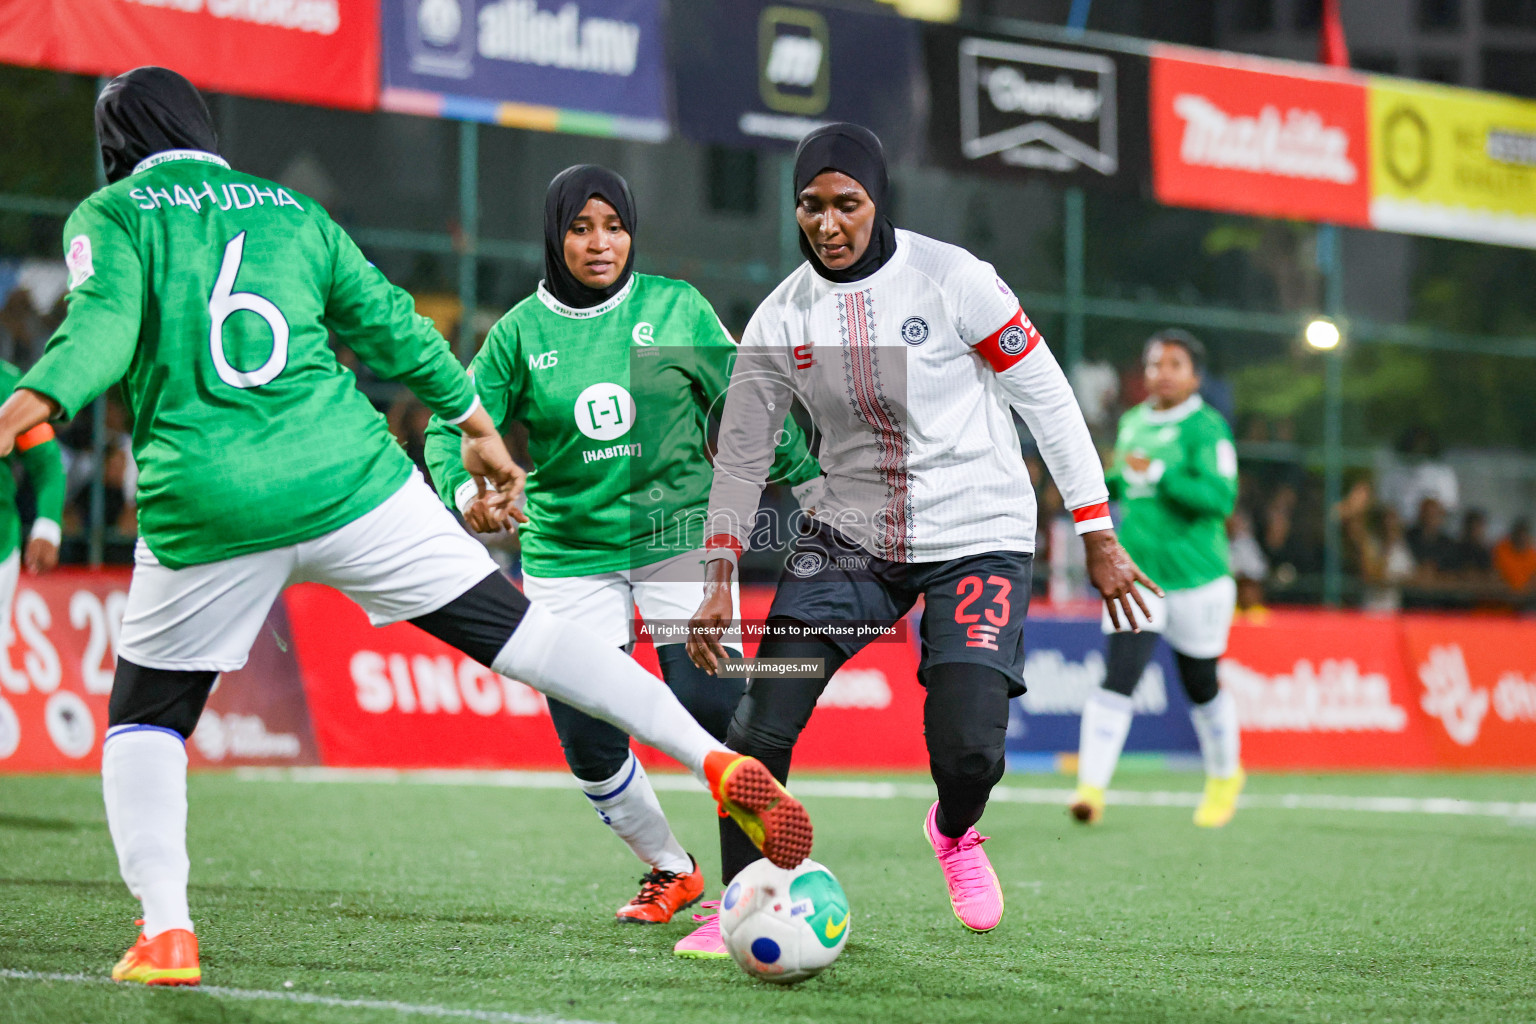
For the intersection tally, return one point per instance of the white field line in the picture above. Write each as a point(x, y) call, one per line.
point(853, 789)
point(310, 999)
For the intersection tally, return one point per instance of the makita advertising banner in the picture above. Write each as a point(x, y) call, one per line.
point(594, 67)
point(754, 73)
point(324, 52)
point(1314, 691)
point(1260, 137)
point(1008, 106)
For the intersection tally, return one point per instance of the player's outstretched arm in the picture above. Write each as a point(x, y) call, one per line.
point(1036, 387)
point(44, 461)
point(490, 465)
point(379, 322)
point(21, 412)
point(496, 373)
point(713, 617)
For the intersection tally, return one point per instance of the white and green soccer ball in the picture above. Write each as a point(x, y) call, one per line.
point(784, 926)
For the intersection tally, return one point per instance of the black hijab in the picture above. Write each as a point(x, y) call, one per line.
point(567, 194)
point(147, 111)
point(856, 152)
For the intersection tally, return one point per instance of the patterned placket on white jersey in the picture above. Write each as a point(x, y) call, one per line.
point(866, 393)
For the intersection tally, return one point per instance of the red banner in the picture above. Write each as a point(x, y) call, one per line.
point(324, 52)
point(1324, 690)
point(1314, 690)
point(398, 698)
point(1255, 137)
point(56, 675)
point(1474, 683)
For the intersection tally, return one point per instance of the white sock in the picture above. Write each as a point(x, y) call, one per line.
point(1216, 725)
point(628, 805)
point(571, 664)
point(1106, 720)
point(144, 782)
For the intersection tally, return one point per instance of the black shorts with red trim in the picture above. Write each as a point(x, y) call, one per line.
point(973, 607)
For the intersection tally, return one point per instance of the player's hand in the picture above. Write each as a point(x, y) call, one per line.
point(487, 460)
point(21, 412)
point(712, 619)
point(482, 518)
point(1138, 463)
point(42, 555)
point(1115, 576)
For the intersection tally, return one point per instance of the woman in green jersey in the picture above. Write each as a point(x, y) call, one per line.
point(615, 375)
point(1175, 476)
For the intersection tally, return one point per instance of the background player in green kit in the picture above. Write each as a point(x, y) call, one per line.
point(1175, 475)
point(38, 452)
point(211, 295)
point(615, 374)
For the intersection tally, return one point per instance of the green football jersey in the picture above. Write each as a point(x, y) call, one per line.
point(1173, 515)
point(211, 295)
point(616, 399)
point(38, 452)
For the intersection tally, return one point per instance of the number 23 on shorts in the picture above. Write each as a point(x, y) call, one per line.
point(981, 633)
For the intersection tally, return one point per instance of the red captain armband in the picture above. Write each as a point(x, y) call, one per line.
point(1091, 518)
point(40, 434)
point(722, 545)
point(1009, 343)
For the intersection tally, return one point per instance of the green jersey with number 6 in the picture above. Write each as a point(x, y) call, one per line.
point(1173, 513)
point(616, 398)
point(211, 294)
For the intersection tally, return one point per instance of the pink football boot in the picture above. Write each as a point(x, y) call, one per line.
point(704, 943)
point(974, 890)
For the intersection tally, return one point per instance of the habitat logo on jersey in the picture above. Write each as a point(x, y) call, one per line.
point(1038, 107)
point(605, 412)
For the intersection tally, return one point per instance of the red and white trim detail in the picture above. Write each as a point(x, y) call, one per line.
point(1010, 343)
point(722, 545)
point(1091, 518)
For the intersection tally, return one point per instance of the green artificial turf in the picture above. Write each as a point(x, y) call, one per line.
point(496, 899)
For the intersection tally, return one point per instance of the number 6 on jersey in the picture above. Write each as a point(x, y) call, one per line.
point(226, 301)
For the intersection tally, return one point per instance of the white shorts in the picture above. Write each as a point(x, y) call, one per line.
point(666, 593)
point(407, 557)
point(1195, 622)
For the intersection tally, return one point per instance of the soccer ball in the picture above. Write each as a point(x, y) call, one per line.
point(783, 925)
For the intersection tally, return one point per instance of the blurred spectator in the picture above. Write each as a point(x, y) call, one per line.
point(1421, 473)
point(1433, 548)
point(1279, 537)
point(1249, 566)
point(1474, 557)
point(1515, 557)
point(1376, 547)
point(1097, 387)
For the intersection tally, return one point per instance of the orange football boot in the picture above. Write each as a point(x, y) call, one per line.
point(662, 894)
point(170, 958)
point(775, 821)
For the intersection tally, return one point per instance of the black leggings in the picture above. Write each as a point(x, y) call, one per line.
point(1129, 654)
point(596, 750)
point(965, 720)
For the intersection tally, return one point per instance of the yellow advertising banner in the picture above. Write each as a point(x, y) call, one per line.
point(1451, 162)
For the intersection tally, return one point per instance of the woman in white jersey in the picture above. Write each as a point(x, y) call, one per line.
point(908, 354)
